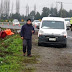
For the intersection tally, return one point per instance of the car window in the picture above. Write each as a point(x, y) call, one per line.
point(15, 20)
point(36, 21)
point(53, 24)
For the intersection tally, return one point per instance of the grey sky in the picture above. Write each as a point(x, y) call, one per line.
point(40, 4)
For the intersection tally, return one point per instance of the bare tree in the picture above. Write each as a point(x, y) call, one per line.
point(35, 9)
point(27, 10)
point(5, 7)
point(1, 9)
point(17, 6)
point(12, 9)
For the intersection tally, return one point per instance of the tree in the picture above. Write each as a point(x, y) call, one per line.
point(70, 13)
point(64, 13)
point(22, 17)
point(16, 16)
point(53, 12)
point(32, 15)
point(45, 12)
point(37, 16)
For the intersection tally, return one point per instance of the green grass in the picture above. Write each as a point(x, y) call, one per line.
point(11, 56)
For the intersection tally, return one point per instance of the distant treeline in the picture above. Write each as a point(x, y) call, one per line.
point(45, 13)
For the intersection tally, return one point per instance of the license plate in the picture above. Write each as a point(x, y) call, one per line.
point(52, 39)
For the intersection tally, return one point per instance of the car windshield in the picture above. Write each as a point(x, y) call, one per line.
point(67, 19)
point(15, 20)
point(53, 24)
point(37, 21)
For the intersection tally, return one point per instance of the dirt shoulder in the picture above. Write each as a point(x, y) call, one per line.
point(52, 59)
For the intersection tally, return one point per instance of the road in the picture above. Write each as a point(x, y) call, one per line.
point(11, 26)
point(51, 59)
point(18, 27)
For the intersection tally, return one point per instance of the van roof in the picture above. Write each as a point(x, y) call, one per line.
point(67, 18)
point(53, 18)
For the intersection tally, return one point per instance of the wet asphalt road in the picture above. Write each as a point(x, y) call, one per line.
point(11, 26)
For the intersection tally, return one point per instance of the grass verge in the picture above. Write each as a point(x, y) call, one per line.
point(11, 57)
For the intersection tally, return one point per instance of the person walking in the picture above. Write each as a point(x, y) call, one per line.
point(26, 35)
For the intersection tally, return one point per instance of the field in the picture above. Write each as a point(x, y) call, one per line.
point(11, 56)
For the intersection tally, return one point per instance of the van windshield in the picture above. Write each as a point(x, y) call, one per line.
point(37, 21)
point(53, 24)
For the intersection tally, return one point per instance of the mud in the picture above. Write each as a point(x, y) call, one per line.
point(52, 59)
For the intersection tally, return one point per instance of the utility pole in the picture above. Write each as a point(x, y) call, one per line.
point(27, 10)
point(35, 9)
point(17, 6)
point(52, 5)
point(56, 6)
point(12, 9)
point(61, 7)
point(2, 7)
point(6, 8)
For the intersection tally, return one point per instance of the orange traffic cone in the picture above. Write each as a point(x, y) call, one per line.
point(8, 24)
point(13, 24)
point(19, 25)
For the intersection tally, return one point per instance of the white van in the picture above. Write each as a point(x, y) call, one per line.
point(67, 22)
point(52, 31)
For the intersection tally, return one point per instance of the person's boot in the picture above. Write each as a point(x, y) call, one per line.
point(29, 55)
point(24, 54)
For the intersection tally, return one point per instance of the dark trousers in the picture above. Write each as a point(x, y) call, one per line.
point(27, 45)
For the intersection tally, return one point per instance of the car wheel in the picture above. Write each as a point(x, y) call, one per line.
point(39, 44)
point(65, 45)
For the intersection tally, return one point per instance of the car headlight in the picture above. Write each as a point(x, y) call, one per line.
point(64, 34)
point(40, 32)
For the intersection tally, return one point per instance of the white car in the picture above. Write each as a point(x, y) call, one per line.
point(67, 21)
point(52, 31)
point(36, 23)
point(16, 22)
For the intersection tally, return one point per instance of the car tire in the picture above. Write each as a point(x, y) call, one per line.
point(65, 45)
point(39, 44)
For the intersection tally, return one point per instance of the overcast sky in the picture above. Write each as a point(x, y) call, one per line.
point(40, 4)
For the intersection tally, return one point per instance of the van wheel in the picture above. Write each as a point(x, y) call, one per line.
point(71, 28)
point(65, 45)
point(39, 44)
